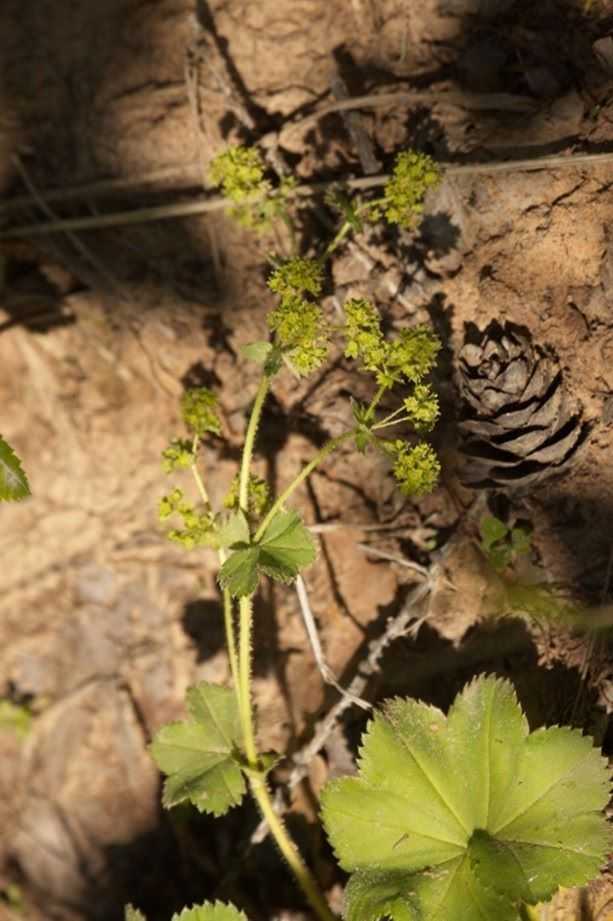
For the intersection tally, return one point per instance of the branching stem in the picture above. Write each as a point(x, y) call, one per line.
point(338, 239)
point(305, 879)
point(245, 629)
point(375, 400)
point(242, 674)
point(386, 423)
point(228, 614)
point(388, 419)
point(252, 428)
point(321, 455)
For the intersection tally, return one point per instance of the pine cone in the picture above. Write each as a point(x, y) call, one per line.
point(517, 424)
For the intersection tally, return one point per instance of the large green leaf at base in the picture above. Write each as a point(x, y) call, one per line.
point(133, 914)
point(13, 481)
point(211, 911)
point(198, 754)
point(450, 891)
point(208, 911)
point(467, 815)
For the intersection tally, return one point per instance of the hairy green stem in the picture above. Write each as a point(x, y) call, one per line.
point(228, 619)
point(227, 598)
point(387, 423)
point(336, 241)
point(346, 228)
point(321, 455)
point(245, 610)
point(252, 427)
point(303, 876)
point(375, 400)
point(243, 683)
point(387, 419)
point(289, 223)
point(196, 474)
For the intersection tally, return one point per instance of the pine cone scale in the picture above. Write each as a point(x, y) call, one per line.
point(517, 422)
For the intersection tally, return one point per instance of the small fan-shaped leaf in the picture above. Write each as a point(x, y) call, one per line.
point(286, 547)
point(283, 550)
point(197, 755)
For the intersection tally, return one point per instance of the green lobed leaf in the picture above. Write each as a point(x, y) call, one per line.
point(211, 911)
point(239, 573)
point(234, 530)
point(465, 816)
point(284, 549)
point(13, 481)
point(197, 754)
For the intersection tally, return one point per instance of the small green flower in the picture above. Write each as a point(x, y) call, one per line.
point(301, 332)
point(179, 455)
point(259, 495)
point(240, 173)
point(198, 527)
point(297, 276)
point(411, 355)
point(198, 406)
point(414, 173)
point(364, 339)
point(422, 407)
point(170, 504)
point(416, 469)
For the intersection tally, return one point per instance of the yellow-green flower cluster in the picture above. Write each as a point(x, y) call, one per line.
point(414, 173)
point(416, 468)
point(198, 527)
point(422, 407)
point(198, 408)
point(240, 173)
point(297, 276)
point(411, 355)
point(258, 495)
point(301, 332)
point(364, 339)
point(179, 455)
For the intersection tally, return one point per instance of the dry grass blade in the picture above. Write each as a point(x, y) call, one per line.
point(218, 203)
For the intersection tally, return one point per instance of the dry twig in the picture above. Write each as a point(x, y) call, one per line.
point(81, 248)
point(404, 622)
point(217, 203)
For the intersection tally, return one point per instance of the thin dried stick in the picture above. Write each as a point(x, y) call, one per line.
point(78, 244)
point(396, 627)
point(480, 101)
point(326, 526)
point(394, 558)
point(217, 203)
point(185, 171)
point(313, 636)
point(356, 131)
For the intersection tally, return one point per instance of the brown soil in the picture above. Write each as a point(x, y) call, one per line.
point(104, 624)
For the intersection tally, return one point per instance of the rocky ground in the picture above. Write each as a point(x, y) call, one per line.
point(119, 107)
